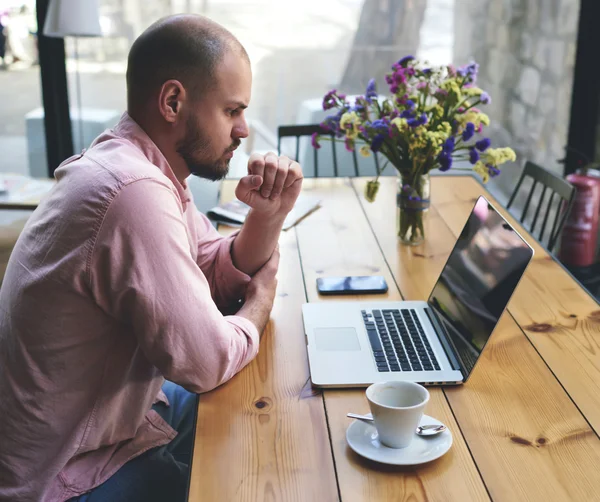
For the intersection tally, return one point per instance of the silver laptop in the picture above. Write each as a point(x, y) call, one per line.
point(437, 342)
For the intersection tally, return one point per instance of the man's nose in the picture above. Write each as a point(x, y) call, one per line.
point(241, 129)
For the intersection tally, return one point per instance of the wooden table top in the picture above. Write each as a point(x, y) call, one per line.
point(525, 425)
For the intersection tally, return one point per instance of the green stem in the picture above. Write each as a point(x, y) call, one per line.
point(382, 169)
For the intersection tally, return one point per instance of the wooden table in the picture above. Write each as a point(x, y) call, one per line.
point(525, 425)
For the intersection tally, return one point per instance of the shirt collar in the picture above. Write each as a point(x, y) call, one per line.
point(129, 129)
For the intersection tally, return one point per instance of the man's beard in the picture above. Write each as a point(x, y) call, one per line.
point(194, 147)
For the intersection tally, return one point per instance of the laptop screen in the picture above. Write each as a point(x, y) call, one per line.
point(478, 280)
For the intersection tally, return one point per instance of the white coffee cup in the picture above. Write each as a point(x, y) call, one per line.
point(397, 409)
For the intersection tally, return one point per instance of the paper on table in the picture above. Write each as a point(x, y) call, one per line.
point(19, 189)
point(234, 213)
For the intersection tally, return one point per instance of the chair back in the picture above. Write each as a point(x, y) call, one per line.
point(559, 201)
point(332, 159)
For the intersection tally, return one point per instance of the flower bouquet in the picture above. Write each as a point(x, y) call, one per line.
point(429, 120)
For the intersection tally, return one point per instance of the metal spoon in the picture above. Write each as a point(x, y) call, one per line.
point(422, 430)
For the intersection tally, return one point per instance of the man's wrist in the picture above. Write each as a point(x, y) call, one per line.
point(267, 218)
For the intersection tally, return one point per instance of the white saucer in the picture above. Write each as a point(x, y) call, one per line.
point(363, 439)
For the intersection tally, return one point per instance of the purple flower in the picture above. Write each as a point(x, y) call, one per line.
point(329, 100)
point(485, 98)
point(314, 140)
point(371, 91)
point(483, 144)
point(469, 131)
point(494, 171)
point(445, 160)
point(419, 121)
point(349, 144)
point(441, 94)
point(473, 156)
point(332, 123)
point(427, 71)
point(448, 146)
point(380, 125)
point(358, 108)
point(404, 61)
point(410, 104)
point(399, 77)
point(394, 88)
point(473, 69)
point(377, 142)
point(469, 71)
point(408, 114)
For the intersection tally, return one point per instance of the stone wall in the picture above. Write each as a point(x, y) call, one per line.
point(526, 53)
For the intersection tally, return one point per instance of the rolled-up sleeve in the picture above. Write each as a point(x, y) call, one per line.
point(141, 271)
point(227, 283)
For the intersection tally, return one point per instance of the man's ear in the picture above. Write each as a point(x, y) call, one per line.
point(171, 99)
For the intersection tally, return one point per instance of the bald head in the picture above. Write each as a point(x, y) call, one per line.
point(187, 48)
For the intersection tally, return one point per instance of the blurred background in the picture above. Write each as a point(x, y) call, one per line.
point(536, 57)
point(300, 50)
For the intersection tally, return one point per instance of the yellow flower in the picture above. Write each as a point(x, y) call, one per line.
point(371, 189)
point(497, 156)
point(477, 118)
point(420, 130)
point(454, 92)
point(349, 122)
point(400, 124)
point(472, 91)
point(435, 138)
point(436, 111)
point(446, 128)
point(365, 151)
point(480, 169)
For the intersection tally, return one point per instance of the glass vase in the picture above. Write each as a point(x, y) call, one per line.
point(412, 202)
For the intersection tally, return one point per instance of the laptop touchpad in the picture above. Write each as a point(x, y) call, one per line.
point(336, 339)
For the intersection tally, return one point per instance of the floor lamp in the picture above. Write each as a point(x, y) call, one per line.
point(74, 18)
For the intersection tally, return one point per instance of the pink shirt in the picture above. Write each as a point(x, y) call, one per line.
point(114, 284)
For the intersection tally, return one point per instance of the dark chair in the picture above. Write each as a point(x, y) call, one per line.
point(340, 157)
point(557, 186)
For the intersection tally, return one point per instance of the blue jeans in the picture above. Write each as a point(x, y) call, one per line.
point(160, 474)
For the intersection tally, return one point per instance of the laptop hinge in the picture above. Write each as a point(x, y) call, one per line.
point(445, 341)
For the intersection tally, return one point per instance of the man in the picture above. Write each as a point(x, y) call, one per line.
point(118, 282)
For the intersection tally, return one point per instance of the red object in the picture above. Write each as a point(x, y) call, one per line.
point(580, 233)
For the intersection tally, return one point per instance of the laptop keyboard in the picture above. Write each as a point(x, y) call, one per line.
point(398, 341)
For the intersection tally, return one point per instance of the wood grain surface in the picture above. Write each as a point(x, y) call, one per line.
point(524, 425)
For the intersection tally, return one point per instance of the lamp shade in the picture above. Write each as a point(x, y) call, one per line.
point(75, 18)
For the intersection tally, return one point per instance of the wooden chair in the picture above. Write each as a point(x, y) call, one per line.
point(342, 162)
point(557, 186)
